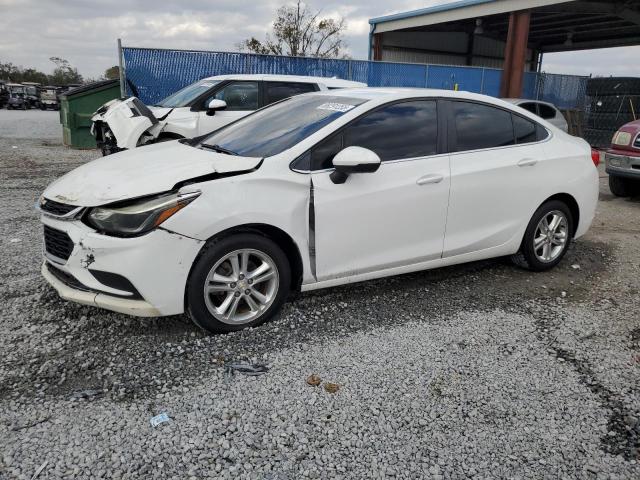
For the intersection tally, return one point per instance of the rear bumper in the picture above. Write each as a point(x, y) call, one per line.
point(618, 165)
point(139, 308)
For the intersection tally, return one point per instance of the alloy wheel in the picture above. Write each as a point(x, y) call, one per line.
point(551, 236)
point(241, 286)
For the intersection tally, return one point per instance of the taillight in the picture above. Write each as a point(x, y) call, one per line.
point(595, 156)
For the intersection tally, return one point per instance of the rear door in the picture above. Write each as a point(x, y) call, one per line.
point(498, 166)
point(242, 98)
point(390, 218)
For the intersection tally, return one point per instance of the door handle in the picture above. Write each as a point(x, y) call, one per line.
point(527, 162)
point(428, 179)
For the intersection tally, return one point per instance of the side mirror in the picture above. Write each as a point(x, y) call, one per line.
point(215, 105)
point(353, 160)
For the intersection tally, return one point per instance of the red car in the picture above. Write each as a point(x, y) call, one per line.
point(623, 160)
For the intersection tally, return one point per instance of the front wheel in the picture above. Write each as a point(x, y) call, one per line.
point(546, 238)
point(237, 282)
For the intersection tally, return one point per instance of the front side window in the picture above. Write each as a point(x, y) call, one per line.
point(184, 97)
point(480, 126)
point(238, 96)
point(279, 127)
point(277, 91)
point(402, 130)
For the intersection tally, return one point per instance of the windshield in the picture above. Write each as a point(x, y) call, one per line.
point(279, 127)
point(184, 97)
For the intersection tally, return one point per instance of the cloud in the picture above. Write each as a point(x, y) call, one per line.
point(85, 32)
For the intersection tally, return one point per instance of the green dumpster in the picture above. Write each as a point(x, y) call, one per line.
point(77, 107)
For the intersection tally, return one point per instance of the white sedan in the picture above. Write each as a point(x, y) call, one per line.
point(545, 110)
point(318, 190)
point(199, 108)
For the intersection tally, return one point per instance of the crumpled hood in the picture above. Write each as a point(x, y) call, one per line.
point(142, 171)
point(159, 112)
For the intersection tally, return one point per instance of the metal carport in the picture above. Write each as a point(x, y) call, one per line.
point(508, 34)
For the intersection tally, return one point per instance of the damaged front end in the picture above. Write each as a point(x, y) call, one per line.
point(124, 124)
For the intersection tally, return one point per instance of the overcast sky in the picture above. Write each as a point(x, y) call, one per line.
point(85, 31)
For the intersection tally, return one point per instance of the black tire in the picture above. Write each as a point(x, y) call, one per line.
point(526, 256)
point(212, 252)
point(623, 187)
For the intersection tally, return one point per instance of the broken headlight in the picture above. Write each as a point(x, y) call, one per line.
point(137, 217)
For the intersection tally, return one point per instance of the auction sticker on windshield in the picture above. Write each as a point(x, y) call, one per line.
point(336, 107)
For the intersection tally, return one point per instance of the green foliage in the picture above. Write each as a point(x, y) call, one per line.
point(298, 32)
point(112, 73)
point(63, 74)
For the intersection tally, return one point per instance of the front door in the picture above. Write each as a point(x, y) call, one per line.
point(393, 217)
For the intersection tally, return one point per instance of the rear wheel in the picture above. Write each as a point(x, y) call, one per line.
point(237, 282)
point(622, 187)
point(546, 238)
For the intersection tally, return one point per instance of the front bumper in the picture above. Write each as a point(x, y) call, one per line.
point(622, 165)
point(156, 264)
point(138, 308)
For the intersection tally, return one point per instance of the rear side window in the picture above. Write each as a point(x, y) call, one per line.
point(398, 131)
point(546, 111)
point(481, 126)
point(525, 130)
point(279, 90)
point(530, 106)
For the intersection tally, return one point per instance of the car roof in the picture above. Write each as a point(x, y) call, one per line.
point(328, 81)
point(392, 93)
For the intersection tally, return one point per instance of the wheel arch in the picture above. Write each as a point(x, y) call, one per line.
point(280, 237)
point(571, 203)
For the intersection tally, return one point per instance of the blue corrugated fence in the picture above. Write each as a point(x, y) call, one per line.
point(157, 73)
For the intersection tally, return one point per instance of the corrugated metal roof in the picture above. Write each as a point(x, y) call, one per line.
point(428, 10)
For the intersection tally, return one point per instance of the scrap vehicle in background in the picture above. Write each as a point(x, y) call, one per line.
point(622, 160)
point(49, 98)
point(544, 110)
point(16, 96)
point(197, 109)
point(4, 94)
point(32, 94)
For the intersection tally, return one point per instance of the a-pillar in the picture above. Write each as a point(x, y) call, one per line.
point(515, 54)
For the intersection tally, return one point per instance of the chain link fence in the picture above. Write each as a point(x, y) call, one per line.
point(153, 74)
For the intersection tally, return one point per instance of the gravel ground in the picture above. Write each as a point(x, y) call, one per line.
point(481, 370)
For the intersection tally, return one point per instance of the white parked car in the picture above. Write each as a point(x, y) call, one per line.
point(315, 191)
point(198, 109)
point(545, 110)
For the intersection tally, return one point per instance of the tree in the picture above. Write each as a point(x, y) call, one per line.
point(112, 73)
point(64, 73)
point(298, 32)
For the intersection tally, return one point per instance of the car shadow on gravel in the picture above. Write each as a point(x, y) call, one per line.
point(78, 347)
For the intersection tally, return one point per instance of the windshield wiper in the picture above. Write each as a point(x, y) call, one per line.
point(218, 148)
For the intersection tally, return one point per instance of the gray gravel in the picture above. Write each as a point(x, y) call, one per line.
point(481, 370)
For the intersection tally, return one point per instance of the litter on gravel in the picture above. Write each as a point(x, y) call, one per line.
point(159, 419)
point(250, 369)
